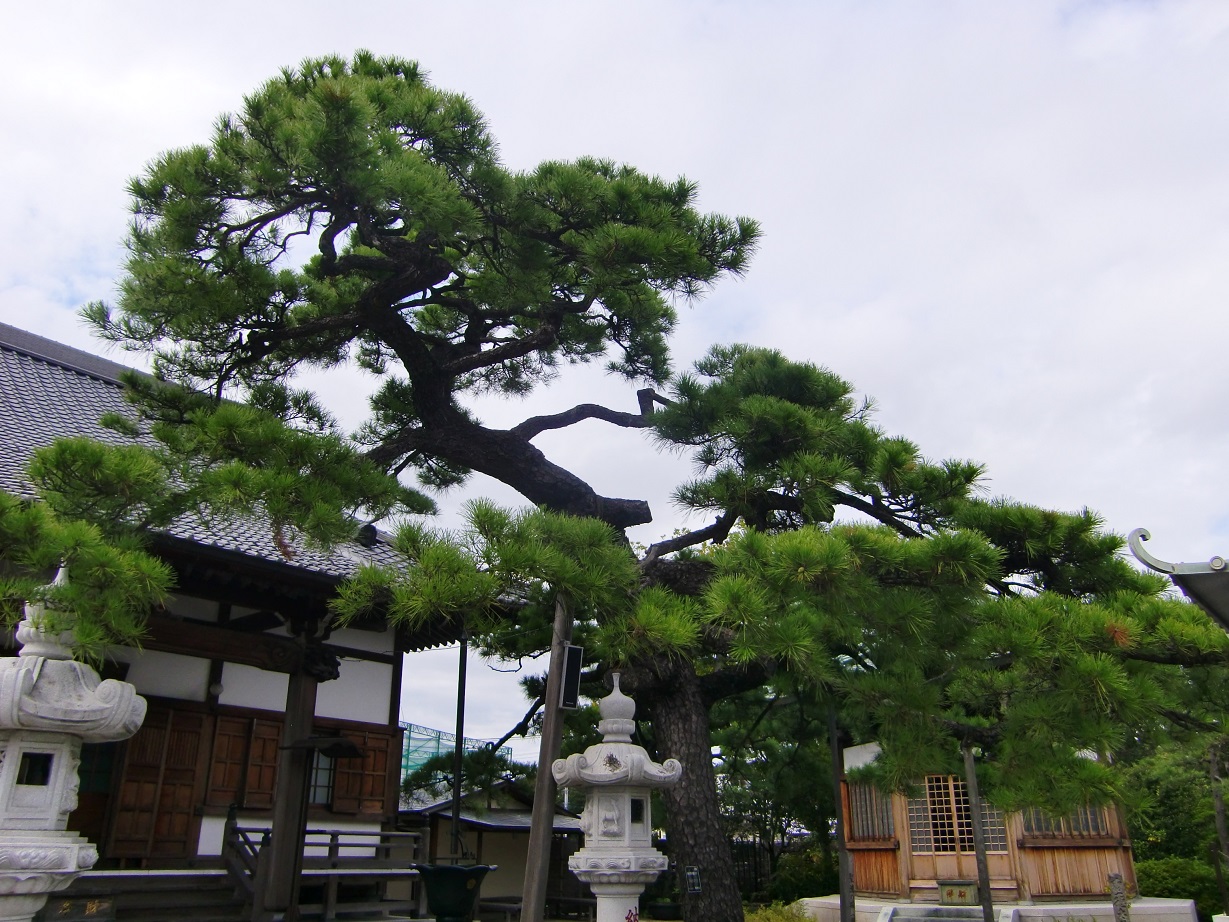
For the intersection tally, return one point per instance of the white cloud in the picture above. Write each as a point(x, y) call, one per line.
point(1006, 222)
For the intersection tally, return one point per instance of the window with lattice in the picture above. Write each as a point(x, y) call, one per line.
point(1086, 822)
point(870, 813)
point(940, 821)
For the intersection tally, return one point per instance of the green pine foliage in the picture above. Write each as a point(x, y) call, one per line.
point(112, 582)
point(353, 212)
point(500, 577)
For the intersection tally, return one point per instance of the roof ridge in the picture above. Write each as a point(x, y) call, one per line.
point(69, 357)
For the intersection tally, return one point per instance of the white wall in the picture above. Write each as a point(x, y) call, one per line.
point(362, 692)
point(371, 641)
point(167, 675)
point(249, 687)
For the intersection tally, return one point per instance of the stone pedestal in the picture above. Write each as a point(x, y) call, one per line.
point(618, 858)
point(49, 706)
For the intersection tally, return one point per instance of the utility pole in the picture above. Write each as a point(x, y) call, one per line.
point(843, 864)
point(979, 834)
point(542, 822)
point(458, 753)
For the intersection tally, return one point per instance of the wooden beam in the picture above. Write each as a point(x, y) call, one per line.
point(190, 638)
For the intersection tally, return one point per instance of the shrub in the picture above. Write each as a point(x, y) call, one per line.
point(800, 874)
point(777, 912)
point(1183, 879)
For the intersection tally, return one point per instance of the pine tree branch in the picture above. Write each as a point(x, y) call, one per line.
point(536, 425)
point(1174, 657)
point(877, 512)
point(1189, 721)
point(522, 728)
point(718, 531)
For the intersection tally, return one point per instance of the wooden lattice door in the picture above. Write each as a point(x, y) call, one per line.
point(161, 784)
point(941, 833)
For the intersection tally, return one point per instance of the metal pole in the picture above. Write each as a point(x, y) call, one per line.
point(979, 834)
point(458, 754)
point(542, 823)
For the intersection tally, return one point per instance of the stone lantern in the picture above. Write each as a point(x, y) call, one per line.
point(49, 705)
point(618, 858)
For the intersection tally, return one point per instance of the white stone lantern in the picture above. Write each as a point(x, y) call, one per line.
point(618, 858)
point(49, 705)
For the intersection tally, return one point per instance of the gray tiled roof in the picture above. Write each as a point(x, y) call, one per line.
point(49, 390)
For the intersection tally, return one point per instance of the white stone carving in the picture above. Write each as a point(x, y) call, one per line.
point(618, 858)
point(49, 706)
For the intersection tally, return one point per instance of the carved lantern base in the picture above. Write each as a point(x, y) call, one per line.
point(34, 864)
point(617, 880)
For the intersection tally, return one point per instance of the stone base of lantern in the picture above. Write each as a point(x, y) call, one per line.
point(34, 864)
point(617, 879)
point(617, 902)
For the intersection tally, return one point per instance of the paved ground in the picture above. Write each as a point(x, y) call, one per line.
point(828, 909)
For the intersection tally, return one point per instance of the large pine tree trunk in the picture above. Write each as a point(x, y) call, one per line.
point(694, 834)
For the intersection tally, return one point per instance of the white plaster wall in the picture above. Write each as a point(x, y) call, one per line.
point(508, 850)
point(361, 693)
point(168, 675)
point(249, 687)
point(371, 641)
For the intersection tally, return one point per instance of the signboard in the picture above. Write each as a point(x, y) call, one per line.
point(95, 909)
point(691, 875)
point(569, 695)
point(958, 893)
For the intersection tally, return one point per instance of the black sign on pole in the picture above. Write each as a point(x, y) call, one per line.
point(692, 876)
point(569, 694)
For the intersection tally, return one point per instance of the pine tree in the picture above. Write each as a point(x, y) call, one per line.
point(353, 213)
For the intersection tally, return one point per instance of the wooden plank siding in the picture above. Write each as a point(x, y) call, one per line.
point(876, 869)
point(1069, 861)
point(1055, 867)
point(875, 852)
point(1052, 873)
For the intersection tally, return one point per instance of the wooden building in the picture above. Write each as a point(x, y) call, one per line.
point(904, 848)
point(494, 829)
point(247, 682)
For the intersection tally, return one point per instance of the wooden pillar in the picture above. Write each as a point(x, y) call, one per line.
point(290, 801)
point(844, 862)
point(979, 834)
point(542, 823)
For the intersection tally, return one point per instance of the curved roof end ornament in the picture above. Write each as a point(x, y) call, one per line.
point(1205, 584)
point(1135, 541)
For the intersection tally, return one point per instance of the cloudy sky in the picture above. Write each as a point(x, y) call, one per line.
point(1008, 223)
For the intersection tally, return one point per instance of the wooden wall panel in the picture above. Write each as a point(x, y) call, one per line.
point(230, 757)
point(161, 784)
point(876, 870)
point(188, 756)
point(263, 752)
point(1080, 871)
